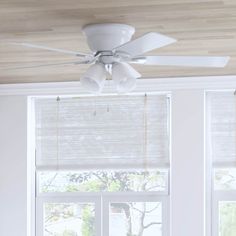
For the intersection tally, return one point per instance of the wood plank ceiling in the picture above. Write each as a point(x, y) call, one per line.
point(202, 27)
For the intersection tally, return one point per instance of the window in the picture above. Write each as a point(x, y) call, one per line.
point(102, 165)
point(222, 150)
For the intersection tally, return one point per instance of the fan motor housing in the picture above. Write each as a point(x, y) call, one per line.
point(105, 37)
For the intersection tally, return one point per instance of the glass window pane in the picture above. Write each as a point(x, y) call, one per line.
point(227, 217)
point(97, 181)
point(69, 219)
point(225, 179)
point(135, 218)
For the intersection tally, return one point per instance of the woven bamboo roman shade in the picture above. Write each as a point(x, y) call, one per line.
point(113, 131)
point(222, 127)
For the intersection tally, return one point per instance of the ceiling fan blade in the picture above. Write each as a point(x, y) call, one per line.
point(191, 61)
point(145, 43)
point(46, 65)
point(29, 45)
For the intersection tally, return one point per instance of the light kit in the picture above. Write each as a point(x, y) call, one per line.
point(124, 77)
point(94, 78)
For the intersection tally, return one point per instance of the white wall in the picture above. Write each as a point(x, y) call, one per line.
point(13, 166)
point(187, 192)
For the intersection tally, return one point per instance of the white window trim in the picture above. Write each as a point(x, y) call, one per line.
point(31, 173)
point(104, 198)
point(208, 173)
point(213, 197)
point(101, 201)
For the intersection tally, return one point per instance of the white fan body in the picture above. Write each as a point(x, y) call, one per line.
point(105, 37)
point(113, 49)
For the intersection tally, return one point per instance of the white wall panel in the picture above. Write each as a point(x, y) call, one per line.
point(187, 180)
point(13, 166)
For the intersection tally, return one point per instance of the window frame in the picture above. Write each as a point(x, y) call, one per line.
point(214, 197)
point(157, 192)
point(220, 196)
point(69, 199)
point(164, 200)
point(102, 199)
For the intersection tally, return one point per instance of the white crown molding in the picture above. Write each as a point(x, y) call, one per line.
point(143, 85)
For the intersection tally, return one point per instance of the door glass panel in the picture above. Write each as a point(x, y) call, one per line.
point(69, 219)
point(227, 218)
point(135, 219)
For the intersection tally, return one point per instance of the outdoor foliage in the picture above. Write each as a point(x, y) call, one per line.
point(113, 181)
point(225, 179)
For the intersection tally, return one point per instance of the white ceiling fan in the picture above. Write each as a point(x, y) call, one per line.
point(113, 50)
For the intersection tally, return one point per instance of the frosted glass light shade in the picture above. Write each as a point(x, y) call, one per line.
point(94, 78)
point(124, 76)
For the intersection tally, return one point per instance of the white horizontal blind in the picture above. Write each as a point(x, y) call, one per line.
point(222, 114)
point(125, 131)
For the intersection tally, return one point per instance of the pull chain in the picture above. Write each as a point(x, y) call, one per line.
point(145, 159)
point(95, 107)
point(57, 131)
point(109, 84)
point(235, 119)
